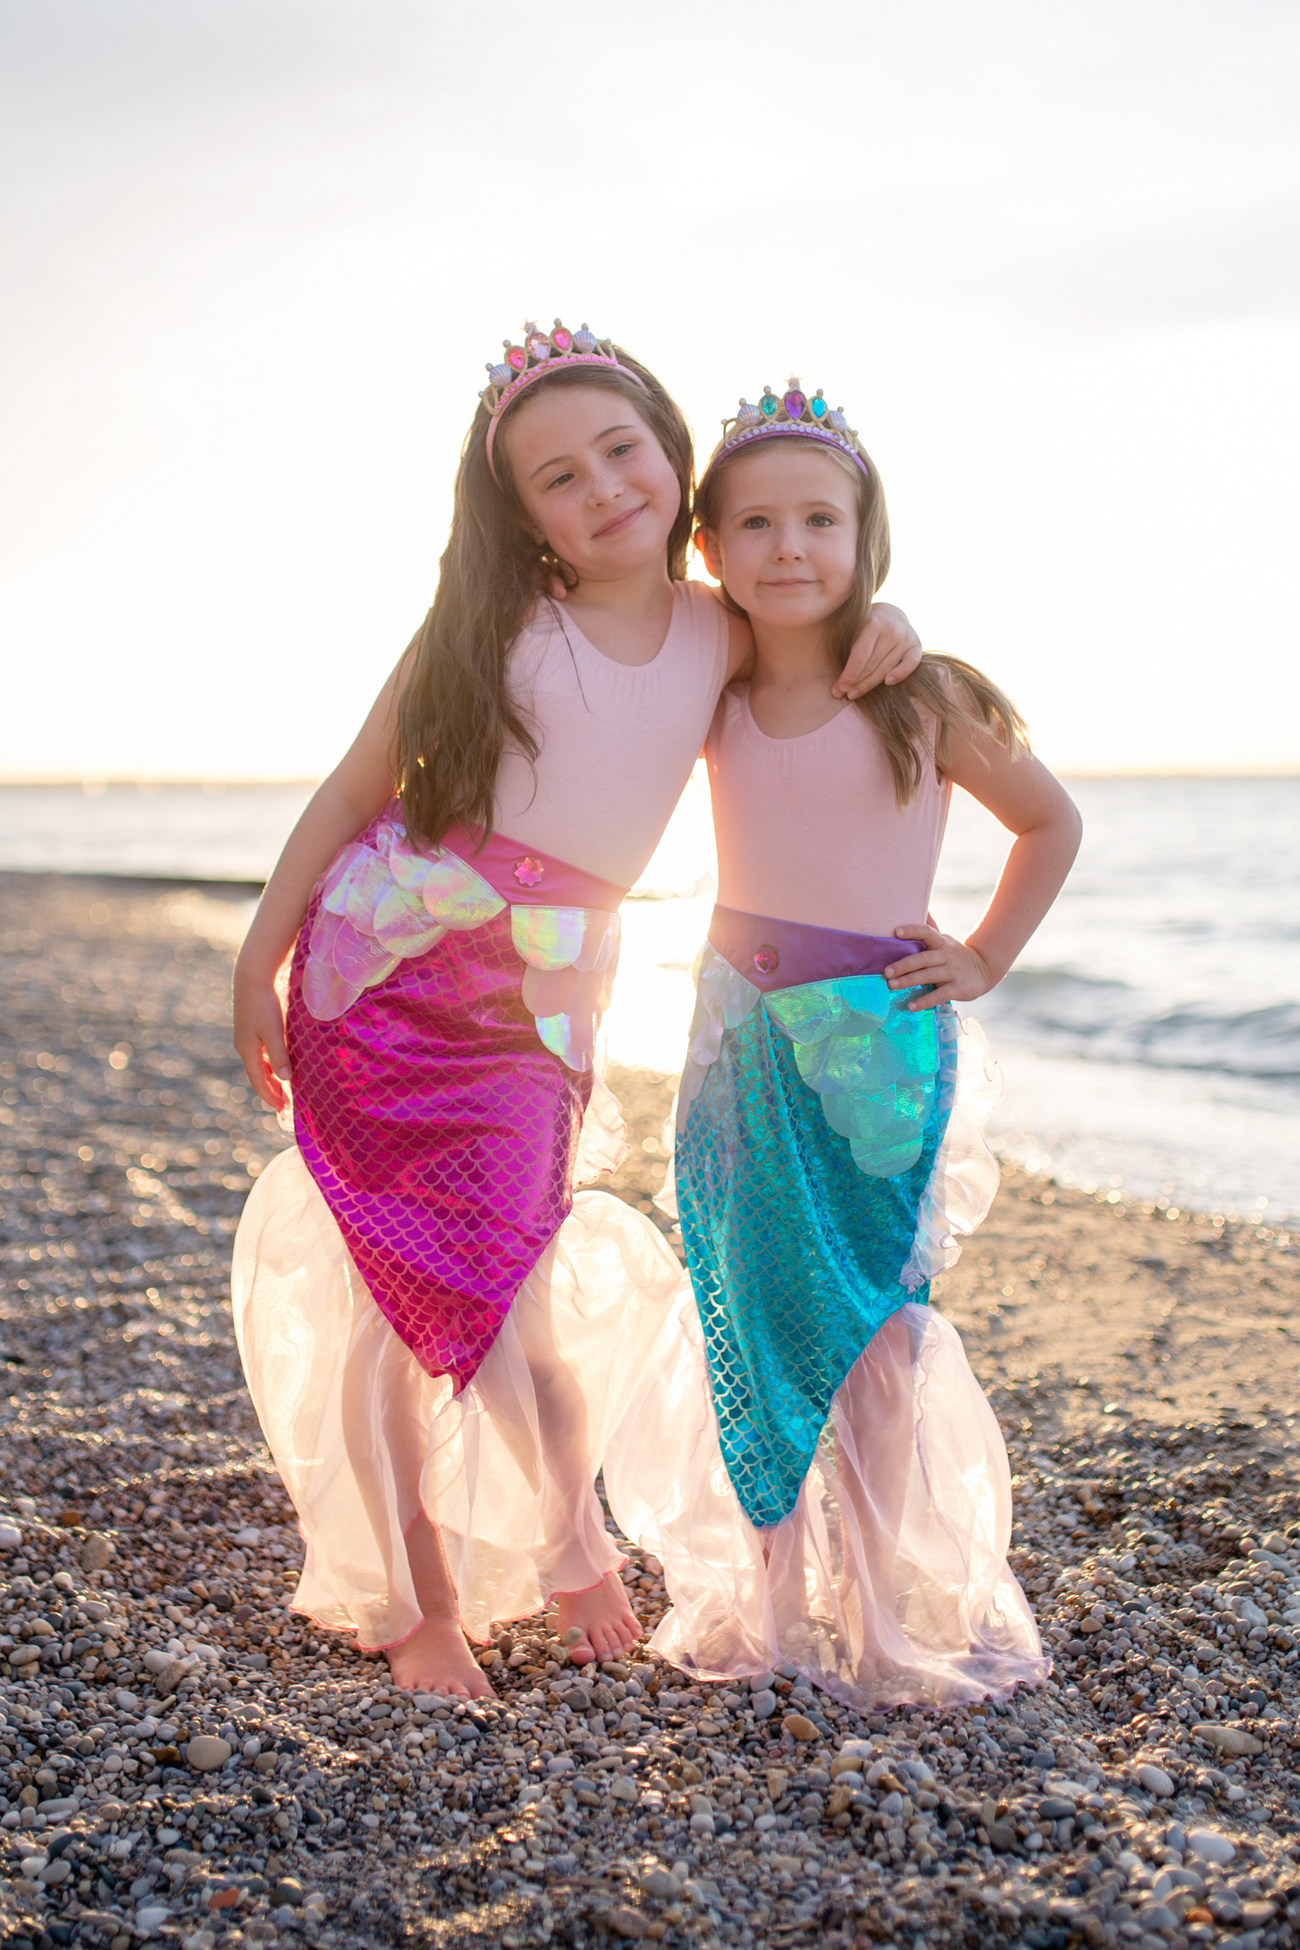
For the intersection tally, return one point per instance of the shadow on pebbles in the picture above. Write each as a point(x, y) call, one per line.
point(182, 1759)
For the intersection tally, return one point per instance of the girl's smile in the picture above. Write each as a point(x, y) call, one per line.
point(620, 523)
point(787, 535)
point(593, 480)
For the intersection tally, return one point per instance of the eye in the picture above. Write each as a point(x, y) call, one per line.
point(755, 521)
point(561, 480)
point(623, 447)
point(821, 521)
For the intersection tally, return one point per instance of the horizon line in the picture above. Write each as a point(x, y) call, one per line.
point(93, 783)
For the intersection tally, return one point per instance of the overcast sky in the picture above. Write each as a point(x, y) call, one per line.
point(257, 253)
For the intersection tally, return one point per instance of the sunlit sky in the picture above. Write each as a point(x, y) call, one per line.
point(257, 253)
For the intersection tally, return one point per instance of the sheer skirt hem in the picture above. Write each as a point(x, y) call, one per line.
point(365, 1439)
point(888, 1582)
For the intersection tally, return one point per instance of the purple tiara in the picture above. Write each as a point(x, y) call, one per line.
point(790, 413)
point(540, 353)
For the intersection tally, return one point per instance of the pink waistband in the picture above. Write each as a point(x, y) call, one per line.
point(526, 877)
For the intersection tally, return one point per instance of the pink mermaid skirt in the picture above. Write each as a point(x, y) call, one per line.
point(428, 1318)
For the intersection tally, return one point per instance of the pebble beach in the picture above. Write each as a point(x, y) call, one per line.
point(185, 1761)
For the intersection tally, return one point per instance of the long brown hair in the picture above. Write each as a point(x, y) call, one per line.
point(954, 694)
point(455, 715)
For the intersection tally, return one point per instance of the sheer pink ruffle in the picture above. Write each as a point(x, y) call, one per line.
point(364, 1438)
point(888, 1582)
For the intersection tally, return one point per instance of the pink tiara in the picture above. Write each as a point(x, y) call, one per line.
point(540, 353)
point(791, 412)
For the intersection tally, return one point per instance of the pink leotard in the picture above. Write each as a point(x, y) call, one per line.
point(618, 741)
point(808, 828)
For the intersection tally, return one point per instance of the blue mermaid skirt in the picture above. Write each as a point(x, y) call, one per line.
point(826, 1484)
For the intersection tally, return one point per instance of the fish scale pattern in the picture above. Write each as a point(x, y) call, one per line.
point(795, 1252)
point(442, 1133)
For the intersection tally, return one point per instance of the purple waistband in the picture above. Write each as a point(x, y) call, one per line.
point(786, 954)
point(527, 877)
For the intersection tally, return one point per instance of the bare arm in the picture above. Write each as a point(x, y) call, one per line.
point(360, 785)
point(1030, 803)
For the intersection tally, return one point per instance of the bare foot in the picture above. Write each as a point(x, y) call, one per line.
point(436, 1659)
point(603, 1616)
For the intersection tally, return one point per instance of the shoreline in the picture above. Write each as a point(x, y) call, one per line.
point(213, 915)
point(1142, 1369)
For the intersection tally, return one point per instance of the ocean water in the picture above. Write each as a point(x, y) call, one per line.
point(1149, 1037)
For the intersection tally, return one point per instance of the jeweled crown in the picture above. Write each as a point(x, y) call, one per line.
point(542, 352)
point(540, 349)
point(793, 412)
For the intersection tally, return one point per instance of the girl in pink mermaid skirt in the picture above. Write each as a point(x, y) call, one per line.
point(438, 1336)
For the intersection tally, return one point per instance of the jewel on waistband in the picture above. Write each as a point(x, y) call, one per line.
point(776, 954)
point(525, 876)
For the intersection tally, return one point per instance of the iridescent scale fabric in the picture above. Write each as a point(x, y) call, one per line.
point(813, 1118)
point(441, 1031)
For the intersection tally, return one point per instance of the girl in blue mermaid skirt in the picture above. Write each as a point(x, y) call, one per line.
point(813, 1459)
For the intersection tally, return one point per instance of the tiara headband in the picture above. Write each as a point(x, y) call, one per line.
point(791, 413)
point(540, 353)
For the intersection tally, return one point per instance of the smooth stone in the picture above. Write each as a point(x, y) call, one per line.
point(786, 1864)
point(798, 1727)
point(96, 1553)
point(1228, 1740)
point(763, 1704)
point(1055, 1807)
point(1211, 1845)
point(627, 1923)
point(152, 1918)
point(10, 1537)
point(1154, 1779)
point(287, 1890)
point(1156, 1917)
point(662, 1884)
point(206, 1752)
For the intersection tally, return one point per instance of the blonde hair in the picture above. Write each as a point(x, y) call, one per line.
point(953, 693)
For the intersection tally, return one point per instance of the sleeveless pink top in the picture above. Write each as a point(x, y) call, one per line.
point(618, 741)
point(808, 828)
